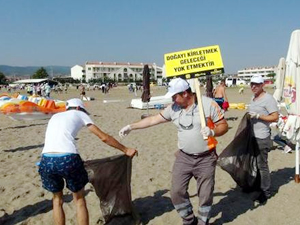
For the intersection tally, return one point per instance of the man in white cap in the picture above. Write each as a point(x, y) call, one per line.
point(263, 111)
point(196, 156)
point(61, 160)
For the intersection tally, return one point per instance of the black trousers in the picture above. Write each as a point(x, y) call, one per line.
point(264, 146)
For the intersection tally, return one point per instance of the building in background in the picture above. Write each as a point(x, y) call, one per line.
point(78, 73)
point(247, 73)
point(119, 72)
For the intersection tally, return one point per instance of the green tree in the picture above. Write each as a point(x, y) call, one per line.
point(3, 79)
point(40, 73)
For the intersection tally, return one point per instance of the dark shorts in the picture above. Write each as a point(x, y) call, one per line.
point(219, 101)
point(55, 169)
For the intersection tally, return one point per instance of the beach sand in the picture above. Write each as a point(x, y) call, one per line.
point(24, 201)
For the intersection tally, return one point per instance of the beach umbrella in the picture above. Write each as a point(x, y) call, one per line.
point(291, 91)
point(146, 86)
point(279, 82)
point(292, 75)
point(209, 87)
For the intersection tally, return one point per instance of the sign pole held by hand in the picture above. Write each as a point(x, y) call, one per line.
point(200, 105)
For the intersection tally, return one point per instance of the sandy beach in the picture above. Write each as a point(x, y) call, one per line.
point(24, 201)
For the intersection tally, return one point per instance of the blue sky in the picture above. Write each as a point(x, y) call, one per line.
point(70, 32)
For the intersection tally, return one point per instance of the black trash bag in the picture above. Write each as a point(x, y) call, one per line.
point(111, 179)
point(239, 158)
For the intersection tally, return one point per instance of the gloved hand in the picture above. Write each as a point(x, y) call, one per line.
point(124, 131)
point(254, 115)
point(273, 125)
point(207, 132)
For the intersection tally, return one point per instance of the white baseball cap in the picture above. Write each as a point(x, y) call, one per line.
point(257, 79)
point(75, 102)
point(176, 86)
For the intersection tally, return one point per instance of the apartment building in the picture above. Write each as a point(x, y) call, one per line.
point(77, 72)
point(247, 73)
point(132, 72)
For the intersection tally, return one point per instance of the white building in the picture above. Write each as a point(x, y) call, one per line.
point(247, 73)
point(116, 71)
point(77, 72)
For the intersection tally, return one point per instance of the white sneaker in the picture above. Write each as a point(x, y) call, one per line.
point(287, 149)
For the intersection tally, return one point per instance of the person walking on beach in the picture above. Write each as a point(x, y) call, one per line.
point(82, 93)
point(241, 91)
point(61, 160)
point(195, 157)
point(263, 111)
point(220, 95)
point(47, 90)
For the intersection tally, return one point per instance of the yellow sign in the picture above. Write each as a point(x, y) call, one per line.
point(194, 62)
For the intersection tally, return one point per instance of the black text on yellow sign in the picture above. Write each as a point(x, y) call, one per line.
point(194, 62)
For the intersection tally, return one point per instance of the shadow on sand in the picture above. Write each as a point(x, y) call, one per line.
point(236, 203)
point(232, 118)
point(31, 210)
point(146, 207)
point(24, 148)
point(24, 126)
point(233, 204)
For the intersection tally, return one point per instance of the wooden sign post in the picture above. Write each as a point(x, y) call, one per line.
point(200, 105)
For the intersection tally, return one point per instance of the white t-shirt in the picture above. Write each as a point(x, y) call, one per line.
point(62, 130)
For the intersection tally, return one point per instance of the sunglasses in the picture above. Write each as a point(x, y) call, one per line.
point(186, 127)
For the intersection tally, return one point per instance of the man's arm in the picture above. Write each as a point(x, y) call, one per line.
point(148, 122)
point(272, 117)
point(107, 139)
point(221, 127)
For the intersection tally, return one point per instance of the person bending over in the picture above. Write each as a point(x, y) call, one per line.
point(61, 160)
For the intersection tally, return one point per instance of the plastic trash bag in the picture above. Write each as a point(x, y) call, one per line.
point(239, 158)
point(111, 179)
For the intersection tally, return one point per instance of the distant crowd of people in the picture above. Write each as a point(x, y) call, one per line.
point(39, 89)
